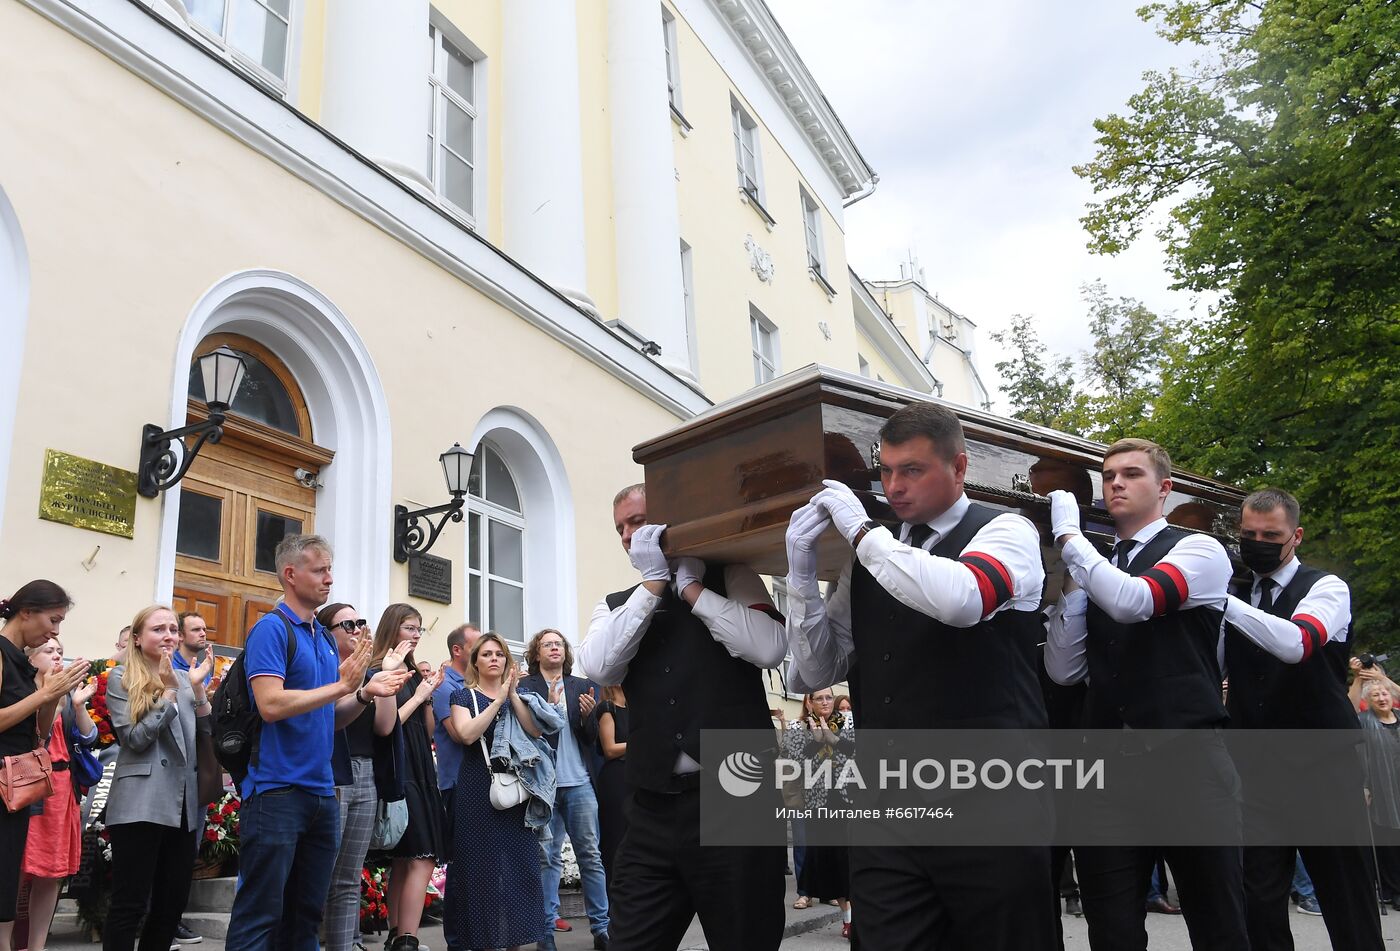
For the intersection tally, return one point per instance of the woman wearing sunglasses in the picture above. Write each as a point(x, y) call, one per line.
point(353, 760)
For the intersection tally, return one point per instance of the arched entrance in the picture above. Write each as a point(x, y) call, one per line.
point(243, 495)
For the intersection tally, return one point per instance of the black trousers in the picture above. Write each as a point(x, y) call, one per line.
point(14, 830)
point(663, 877)
point(1387, 876)
point(953, 898)
point(151, 870)
point(1344, 890)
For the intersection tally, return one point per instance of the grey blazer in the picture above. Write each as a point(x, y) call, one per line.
point(158, 766)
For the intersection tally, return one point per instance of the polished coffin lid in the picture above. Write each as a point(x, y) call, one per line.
point(726, 481)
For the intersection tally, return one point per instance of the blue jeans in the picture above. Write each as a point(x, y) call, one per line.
point(799, 849)
point(288, 840)
point(575, 810)
point(1302, 882)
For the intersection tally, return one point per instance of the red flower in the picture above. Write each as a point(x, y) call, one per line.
point(211, 835)
point(229, 808)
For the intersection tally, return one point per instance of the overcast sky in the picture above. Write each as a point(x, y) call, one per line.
point(973, 114)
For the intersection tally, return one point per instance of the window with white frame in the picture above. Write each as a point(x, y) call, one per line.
point(452, 166)
point(673, 71)
point(256, 32)
point(495, 548)
point(746, 150)
point(812, 224)
point(688, 295)
point(765, 347)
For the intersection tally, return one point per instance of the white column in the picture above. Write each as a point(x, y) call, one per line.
point(376, 92)
point(645, 220)
point(541, 144)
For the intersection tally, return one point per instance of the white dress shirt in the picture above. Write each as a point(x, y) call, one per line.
point(1326, 606)
point(739, 621)
point(945, 589)
point(1197, 564)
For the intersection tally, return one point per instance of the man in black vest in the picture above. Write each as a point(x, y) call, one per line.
point(1145, 630)
point(688, 645)
point(937, 627)
point(1286, 653)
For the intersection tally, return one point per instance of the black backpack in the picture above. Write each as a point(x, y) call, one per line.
point(237, 725)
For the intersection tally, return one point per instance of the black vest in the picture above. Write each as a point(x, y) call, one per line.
point(916, 672)
point(683, 681)
point(1266, 693)
point(1157, 674)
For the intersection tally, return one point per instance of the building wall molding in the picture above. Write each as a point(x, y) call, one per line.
point(875, 326)
point(14, 325)
point(349, 414)
point(166, 57)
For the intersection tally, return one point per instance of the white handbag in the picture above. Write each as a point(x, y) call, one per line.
point(507, 791)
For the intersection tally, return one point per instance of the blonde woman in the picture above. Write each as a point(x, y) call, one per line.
point(153, 808)
point(398, 633)
point(54, 847)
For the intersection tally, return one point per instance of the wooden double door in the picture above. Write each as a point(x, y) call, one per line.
point(239, 499)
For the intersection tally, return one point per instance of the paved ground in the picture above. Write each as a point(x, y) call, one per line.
point(819, 929)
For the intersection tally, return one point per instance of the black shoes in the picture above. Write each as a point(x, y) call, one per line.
point(600, 941)
point(185, 936)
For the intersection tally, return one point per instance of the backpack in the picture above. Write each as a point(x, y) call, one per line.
point(237, 725)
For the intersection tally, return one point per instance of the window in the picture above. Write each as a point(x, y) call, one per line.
point(495, 548)
point(812, 224)
point(673, 72)
point(765, 347)
point(688, 293)
point(452, 131)
point(745, 150)
point(255, 31)
point(262, 396)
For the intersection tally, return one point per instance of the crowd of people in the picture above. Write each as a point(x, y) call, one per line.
point(488, 763)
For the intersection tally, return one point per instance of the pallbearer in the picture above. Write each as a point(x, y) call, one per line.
point(937, 627)
point(1286, 654)
point(1147, 636)
point(688, 645)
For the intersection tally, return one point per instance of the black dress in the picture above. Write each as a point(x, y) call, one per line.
point(612, 790)
point(493, 881)
point(424, 838)
point(17, 683)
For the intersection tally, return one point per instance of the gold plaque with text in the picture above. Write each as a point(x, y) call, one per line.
point(87, 494)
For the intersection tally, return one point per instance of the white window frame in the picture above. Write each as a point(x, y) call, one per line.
point(688, 293)
point(440, 32)
point(760, 329)
point(281, 84)
point(812, 226)
point(673, 64)
point(479, 507)
point(750, 172)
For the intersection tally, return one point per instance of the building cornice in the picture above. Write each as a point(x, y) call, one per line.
point(773, 53)
point(875, 325)
point(151, 47)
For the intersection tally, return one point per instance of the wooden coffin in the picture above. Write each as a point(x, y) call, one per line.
point(727, 481)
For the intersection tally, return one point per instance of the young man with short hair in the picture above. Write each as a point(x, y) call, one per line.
point(289, 823)
point(194, 638)
point(1144, 628)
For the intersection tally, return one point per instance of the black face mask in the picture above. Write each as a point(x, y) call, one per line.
point(1261, 557)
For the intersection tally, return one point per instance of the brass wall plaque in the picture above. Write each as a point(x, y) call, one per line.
point(88, 494)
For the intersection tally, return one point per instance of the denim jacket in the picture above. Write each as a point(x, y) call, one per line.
point(530, 756)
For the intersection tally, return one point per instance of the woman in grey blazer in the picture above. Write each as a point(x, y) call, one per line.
point(153, 809)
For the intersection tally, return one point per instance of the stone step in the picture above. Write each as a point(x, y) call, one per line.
point(209, 924)
point(211, 894)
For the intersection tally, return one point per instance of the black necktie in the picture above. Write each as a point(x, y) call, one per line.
point(1266, 593)
point(1122, 552)
point(918, 534)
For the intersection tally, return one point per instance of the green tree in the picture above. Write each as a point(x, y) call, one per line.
point(1040, 390)
point(1276, 160)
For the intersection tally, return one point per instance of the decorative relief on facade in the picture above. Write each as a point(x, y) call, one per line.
point(760, 260)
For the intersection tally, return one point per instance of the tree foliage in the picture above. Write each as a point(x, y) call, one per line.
point(1276, 160)
point(1040, 390)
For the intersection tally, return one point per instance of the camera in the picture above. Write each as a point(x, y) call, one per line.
point(1370, 660)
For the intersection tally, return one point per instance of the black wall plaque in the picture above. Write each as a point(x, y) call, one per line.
point(430, 577)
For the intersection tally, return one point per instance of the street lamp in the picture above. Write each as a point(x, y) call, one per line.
point(161, 466)
point(409, 536)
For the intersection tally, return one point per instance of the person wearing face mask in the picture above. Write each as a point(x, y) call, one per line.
point(1286, 652)
point(1144, 628)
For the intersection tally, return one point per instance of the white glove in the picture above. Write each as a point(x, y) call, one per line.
point(804, 528)
point(1064, 514)
point(846, 512)
point(689, 571)
point(645, 553)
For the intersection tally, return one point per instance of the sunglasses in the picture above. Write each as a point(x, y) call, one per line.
point(349, 626)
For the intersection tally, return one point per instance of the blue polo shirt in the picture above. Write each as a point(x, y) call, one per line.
point(295, 751)
point(177, 660)
point(449, 752)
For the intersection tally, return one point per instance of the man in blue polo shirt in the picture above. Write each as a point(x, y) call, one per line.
point(289, 823)
point(445, 741)
point(194, 638)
